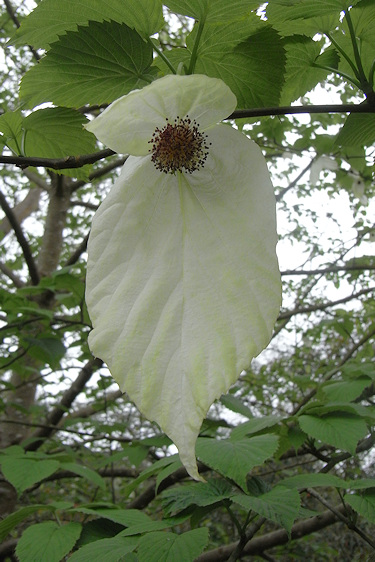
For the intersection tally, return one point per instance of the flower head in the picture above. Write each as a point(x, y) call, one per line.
point(183, 287)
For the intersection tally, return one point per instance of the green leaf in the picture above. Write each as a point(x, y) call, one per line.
point(284, 10)
point(47, 349)
point(280, 505)
point(234, 459)
point(11, 129)
point(253, 69)
point(150, 471)
point(96, 64)
point(22, 472)
point(56, 132)
point(168, 547)
point(98, 529)
point(361, 483)
point(340, 430)
point(345, 391)
point(358, 130)
point(105, 550)
point(300, 74)
point(212, 10)
point(7, 524)
point(52, 18)
point(253, 426)
point(125, 517)
point(47, 541)
point(178, 499)
point(85, 472)
point(314, 480)
point(236, 405)
point(167, 471)
point(363, 504)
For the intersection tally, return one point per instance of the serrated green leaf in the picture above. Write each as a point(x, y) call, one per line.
point(300, 74)
point(105, 550)
point(178, 499)
point(313, 480)
point(11, 129)
point(52, 18)
point(284, 10)
point(340, 430)
point(256, 486)
point(234, 459)
point(56, 132)
point(280, 505)
point(96, 64)
point(47, 541)
point(363, 504)
point(345, 391)
point(253, 69)
point(22, 472)
point(85, 472)
point(7, 524)
point(358, 130)
point(212, 10)
point(253, 426)
point(168, 547)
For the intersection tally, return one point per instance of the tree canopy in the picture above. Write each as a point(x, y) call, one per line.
point(287, 453)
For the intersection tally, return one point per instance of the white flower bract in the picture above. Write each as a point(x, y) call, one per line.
point(183, 287)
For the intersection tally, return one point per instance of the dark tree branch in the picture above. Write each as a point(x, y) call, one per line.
point(66, 401)
point(57, 163)
point(247, 536)
point(78, 252)
point(258, 545)
point(12, 276)
point(34, 274)
point(96, 174)
point(280, 195)
point(364, 107)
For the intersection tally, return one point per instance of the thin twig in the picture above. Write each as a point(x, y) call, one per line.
point(323, 306)
point(332, 269)
point(14, 19)
point(34, 274)
point(342, 517)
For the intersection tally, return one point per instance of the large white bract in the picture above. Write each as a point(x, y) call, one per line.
point(183, 286)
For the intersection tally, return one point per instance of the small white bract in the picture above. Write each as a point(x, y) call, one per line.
point(183, 286)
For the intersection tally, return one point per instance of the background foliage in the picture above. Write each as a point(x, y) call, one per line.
point(288, 453)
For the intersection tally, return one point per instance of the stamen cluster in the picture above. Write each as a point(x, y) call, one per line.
point(179, 147)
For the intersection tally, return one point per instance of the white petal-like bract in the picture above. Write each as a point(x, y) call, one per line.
point(183, 286)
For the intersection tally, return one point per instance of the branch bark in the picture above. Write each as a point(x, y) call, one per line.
point(259, 545)
point(33, 271)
